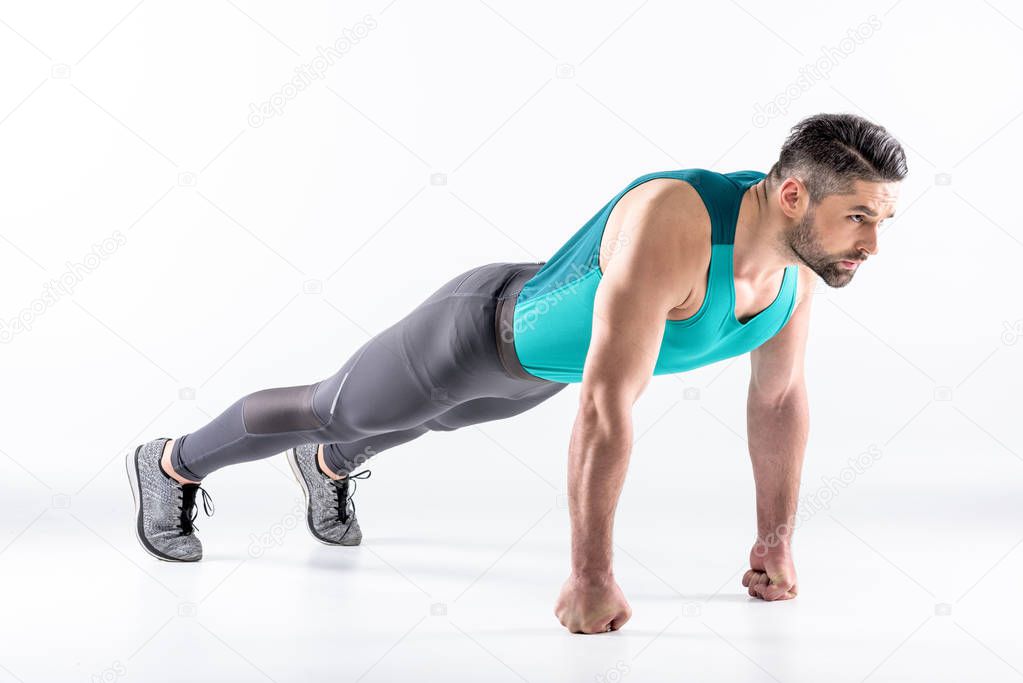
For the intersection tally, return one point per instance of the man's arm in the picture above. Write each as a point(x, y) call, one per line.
point(778, 423)
point(650, 273)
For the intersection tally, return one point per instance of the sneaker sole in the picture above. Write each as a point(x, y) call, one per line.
point(292, 457)
point(131, 467)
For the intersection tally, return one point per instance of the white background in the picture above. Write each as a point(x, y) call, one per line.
point(262, 256)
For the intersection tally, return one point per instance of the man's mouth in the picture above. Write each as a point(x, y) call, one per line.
point(851, 265)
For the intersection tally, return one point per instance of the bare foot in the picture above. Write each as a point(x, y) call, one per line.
point(323, 465)
point(165, 463)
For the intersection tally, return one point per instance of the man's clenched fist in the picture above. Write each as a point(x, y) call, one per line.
point(772, 575)
point(592, 605)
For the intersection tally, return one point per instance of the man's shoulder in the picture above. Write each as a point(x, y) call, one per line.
point(665, 198)
point(689, 189)
point(663, 217)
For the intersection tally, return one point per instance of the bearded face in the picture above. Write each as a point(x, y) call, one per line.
point(807, 241)
point(839, 232)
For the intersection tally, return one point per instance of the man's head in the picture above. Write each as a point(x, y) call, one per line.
point(837, 179)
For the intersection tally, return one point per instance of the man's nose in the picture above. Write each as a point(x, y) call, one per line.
point(869, 245)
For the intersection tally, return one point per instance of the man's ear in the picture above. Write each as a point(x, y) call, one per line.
point(793, 197)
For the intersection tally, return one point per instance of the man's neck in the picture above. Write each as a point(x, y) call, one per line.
point(760, 250)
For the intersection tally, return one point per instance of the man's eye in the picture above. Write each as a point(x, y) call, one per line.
point(859, 216)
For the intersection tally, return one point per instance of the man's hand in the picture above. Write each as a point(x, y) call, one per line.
point(592, 605)
point(772, 574)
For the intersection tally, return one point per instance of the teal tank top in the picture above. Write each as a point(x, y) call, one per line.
point(554, 310)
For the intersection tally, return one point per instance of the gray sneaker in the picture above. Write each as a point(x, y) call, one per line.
point(330, 511)
point(164, 508)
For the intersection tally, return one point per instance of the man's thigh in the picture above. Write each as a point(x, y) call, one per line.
point(441, 357)
point(489, 408)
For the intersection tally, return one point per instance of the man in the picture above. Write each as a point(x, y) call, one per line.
point(680, 269)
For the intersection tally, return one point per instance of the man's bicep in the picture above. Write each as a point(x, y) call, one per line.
point(622, 354)
point(627, 329)
point(650, 272)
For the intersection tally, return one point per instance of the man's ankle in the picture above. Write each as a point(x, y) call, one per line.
point(168, 468)
point(322, 464)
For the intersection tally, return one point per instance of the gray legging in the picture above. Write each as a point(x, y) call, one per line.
point(447, 364)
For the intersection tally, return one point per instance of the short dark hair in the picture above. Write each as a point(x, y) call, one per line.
point(827, 152)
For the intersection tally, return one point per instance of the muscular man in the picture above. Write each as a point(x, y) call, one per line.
point(678, 270)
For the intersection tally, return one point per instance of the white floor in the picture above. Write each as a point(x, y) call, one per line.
point(910, 573)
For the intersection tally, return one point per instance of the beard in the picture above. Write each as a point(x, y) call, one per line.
point(803, 240)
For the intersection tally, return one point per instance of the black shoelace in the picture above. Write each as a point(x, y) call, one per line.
point(343, 497)
point(189, 510)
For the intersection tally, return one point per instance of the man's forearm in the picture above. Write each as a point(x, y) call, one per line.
point(598, 459)
point(777, 442)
